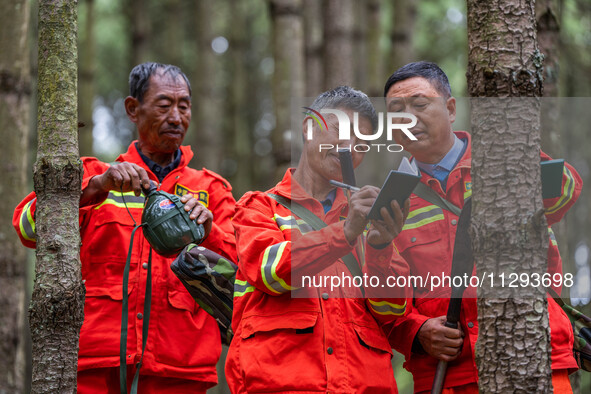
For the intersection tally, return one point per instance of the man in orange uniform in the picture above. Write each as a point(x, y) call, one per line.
point(426, 241)
point(184, 341)
point(290, 336)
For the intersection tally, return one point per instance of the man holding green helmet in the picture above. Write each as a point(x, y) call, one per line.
point(184, 343)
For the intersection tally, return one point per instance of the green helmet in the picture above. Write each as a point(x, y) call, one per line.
point(166, 224)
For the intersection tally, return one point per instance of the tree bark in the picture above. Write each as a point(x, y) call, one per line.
point(313, 32)
point(339, 24)
point(14, 131)
point(207, 133)
point(360, 44)
point(57, 306)
point(139, 31)
point(549, 16)
point(401, 38)
point(86, 86)
point(548, 31)
point(289, 74)
point(509, 228)
point(172, 34)
point(375, 65)
point(241, 137)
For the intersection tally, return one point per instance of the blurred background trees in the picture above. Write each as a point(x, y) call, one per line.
point(15, 90)
point(246, 59)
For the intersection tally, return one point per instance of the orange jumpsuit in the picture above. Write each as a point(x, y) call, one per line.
point(184, 340)
point(306, 339)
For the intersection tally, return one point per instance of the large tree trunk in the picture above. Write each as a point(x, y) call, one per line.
point(339, 24)
point(14, 131)
point(57, 307)
point(508, 224)
point(86, 86)
point(289, 74)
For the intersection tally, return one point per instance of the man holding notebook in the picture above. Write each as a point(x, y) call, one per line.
point(443, 157)
point(296, 335)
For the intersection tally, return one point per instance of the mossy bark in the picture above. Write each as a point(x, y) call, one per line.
point(508, 223)
point(57, 307)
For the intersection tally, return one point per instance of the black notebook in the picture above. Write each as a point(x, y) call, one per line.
point(552, 178)
point(398, 186)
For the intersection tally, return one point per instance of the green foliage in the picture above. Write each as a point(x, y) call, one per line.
point(575, 59)
point(112, 46)
point(441, 38)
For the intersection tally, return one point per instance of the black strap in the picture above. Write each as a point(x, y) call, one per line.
point(316, 223)
point(426, 193)
point(124, 319)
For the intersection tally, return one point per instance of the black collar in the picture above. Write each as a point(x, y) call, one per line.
point(156, 168)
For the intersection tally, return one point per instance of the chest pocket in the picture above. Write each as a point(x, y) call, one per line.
point(106, 241)
point(422, 242)
point(422, 226)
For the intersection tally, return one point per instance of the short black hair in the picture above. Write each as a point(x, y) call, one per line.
point(347, 97)
point(139, 77)
point(428, 70)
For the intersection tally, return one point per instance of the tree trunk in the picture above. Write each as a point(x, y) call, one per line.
point(375, 65)
point(360, 77)
point(508, 224)
point(402, 51)
point(289, 74)
point(207, 134)
point(339, 24)
point(86, 86)
point(173, 33)
point(139, 25)
point(14, 131)
point(241, 147)
point(547, 17)
point(313, 31)
point(57, 307)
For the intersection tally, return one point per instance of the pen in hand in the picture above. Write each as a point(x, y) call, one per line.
point(344, 185)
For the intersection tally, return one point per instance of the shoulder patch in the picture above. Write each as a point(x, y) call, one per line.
point(200, 195)
point(468, 185)
point(218, 177)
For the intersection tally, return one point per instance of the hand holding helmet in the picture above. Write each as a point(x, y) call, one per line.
point(169, 224)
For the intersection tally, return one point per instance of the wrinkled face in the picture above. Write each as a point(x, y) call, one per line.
point(435, 115)
point(325, 161)
point(163, 117)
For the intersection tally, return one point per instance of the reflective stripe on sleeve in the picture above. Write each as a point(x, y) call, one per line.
point(241, 287)
point(116, 198)
point(387, 308)
point(27, 223)
point(422, 216)
point(271, 258)
point(290, 223)
point(567, 193)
